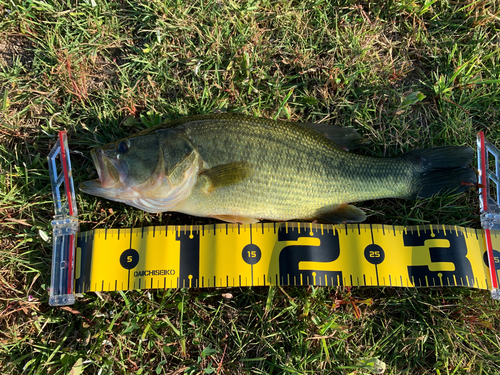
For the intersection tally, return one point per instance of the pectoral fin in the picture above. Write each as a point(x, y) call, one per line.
point(226, 174)
point(345, 213)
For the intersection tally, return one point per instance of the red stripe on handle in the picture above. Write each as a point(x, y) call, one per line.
point(491, 259)
point(64, 163)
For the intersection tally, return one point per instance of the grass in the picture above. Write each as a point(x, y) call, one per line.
point(103, 70)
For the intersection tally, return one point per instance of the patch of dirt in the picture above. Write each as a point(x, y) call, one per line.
point(15, 46)
point(102, 72)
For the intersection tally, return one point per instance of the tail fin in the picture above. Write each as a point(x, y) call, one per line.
point(441, 170)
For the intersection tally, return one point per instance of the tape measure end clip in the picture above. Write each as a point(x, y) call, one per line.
point(495, 294)
point(64, 225)
point(488, 157)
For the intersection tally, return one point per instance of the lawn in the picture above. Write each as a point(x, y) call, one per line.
point(104, 70)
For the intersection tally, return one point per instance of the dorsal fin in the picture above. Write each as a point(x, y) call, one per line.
point(347, 138)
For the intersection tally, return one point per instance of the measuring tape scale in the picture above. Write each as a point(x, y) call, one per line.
point(227, 255)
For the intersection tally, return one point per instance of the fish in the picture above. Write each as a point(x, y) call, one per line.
point(244, 169)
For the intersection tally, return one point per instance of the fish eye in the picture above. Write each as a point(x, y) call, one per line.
point(123, 147)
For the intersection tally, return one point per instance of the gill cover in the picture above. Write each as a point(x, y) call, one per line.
point(153, 172)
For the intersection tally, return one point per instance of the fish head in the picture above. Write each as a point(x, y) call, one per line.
point(124, 167)
point(152, 171)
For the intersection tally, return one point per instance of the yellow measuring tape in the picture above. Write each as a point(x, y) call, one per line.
point(227, 255)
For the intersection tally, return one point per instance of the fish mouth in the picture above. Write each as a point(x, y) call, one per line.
point(110, 171)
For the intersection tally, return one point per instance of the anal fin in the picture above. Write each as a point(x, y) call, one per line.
point(345, 213)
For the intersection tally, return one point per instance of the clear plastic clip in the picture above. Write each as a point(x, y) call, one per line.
point(64, 226)
point(489, 182)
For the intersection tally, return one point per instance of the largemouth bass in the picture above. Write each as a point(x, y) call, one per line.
point(244, 169)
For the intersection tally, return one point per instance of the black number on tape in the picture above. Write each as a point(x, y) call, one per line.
point(374, 254)
point(251, 254)
point(129, 259)
point(455, 254)
point(290, 257)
